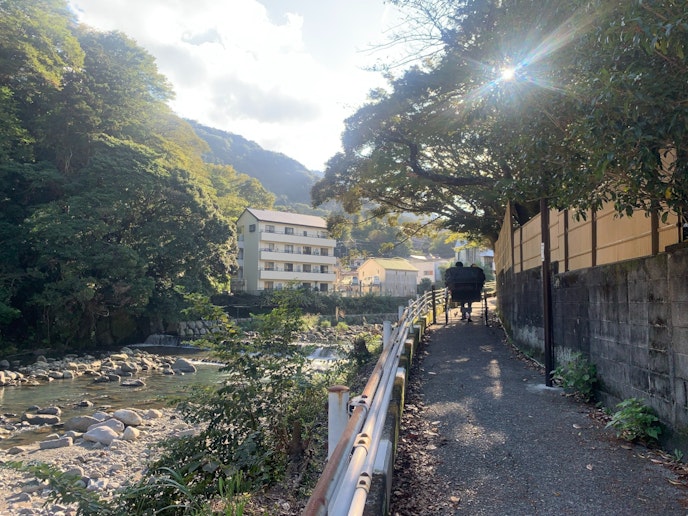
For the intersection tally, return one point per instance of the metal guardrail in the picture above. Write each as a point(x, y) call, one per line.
point(346, 480)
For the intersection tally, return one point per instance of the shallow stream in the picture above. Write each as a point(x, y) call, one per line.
point(67, 393)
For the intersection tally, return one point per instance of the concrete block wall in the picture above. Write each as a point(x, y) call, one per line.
point(629, 318)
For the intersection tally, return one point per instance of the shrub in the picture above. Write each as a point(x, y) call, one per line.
point(577, 375)
point(635, 421)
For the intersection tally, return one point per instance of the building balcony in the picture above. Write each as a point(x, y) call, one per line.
point(296, 276)
point(274, 255)
point(312, 239)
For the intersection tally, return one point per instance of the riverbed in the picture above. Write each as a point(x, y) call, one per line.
point(67, 394)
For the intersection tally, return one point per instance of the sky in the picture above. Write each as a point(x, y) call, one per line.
point(283, 73)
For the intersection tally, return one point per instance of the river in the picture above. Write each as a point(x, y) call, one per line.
point(67, 393)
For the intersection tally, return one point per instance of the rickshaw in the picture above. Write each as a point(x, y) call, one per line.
point(465, 287)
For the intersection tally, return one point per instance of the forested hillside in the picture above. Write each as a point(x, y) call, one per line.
point(285, 177)
point(107, 207)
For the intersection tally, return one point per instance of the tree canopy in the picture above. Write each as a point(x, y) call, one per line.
point(106, 203)
point(576, 101)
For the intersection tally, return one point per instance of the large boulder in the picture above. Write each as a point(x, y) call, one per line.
point(128, 417)
point(80, 423)
point(113, 423)
point(101, 434)
point(184, 365)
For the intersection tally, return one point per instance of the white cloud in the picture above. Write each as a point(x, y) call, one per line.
point(286, 78)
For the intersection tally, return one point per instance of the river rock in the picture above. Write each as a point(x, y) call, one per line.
point(128, 417)
point(52, 410)
point(184, 365)
point(113, 423)
point(41, 419)
point(152, 414)
point(80, 423)
point(131, 433)
point(51, 444)
point(133, 383)
point(101, 434)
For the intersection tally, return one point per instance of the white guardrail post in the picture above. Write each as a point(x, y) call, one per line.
point(337, 415)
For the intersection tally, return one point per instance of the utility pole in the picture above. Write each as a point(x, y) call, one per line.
point(546, 290)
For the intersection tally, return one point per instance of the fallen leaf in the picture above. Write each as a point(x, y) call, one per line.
point(589, 466)
point(575, 425)
point(455, 499)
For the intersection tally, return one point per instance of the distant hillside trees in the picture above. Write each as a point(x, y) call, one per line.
point(281, 175)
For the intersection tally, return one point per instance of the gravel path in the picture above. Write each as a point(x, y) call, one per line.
point(482, 436)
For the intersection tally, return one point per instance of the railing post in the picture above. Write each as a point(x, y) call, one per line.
point(401, 312)
point(434, 306)
point(386, 333)
point(337, 415)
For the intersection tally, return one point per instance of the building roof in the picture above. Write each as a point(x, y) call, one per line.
point(394, 264)
point(284, 217)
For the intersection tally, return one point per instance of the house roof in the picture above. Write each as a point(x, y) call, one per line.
point(284, 217)
point(394, 264)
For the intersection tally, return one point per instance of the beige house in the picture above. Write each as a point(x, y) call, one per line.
point(388, 277)
point(279, 249)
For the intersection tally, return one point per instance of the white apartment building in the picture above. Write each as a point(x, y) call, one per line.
point(278, 250)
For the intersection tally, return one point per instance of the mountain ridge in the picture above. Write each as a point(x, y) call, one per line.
point(289, 180)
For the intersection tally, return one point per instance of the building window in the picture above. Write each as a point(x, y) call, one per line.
point(241, 254)
point(252, 228)
point(269, 228)
point(289, 267)
point(306, 286)
point(269, 285)
point(323, 269)
point(271, 246)
point(324, 251)
point(323, 287)
point(288, 231)
point(305, 233)
point(288, 248)
point(306, 267)
point(307, 250)
point(269, 266)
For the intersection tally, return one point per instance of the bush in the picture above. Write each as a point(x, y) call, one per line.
point(635, 421)
point(577, 375)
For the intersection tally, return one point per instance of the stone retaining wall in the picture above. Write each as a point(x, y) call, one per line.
point(630, 319)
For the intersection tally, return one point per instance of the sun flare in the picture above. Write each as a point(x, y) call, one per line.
point(508, 74)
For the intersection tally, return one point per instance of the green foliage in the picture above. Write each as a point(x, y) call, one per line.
point(577, 375)
point(107, 203)
point(257, 424)
point(635, 421)
point(341, 327)
point(588, 120)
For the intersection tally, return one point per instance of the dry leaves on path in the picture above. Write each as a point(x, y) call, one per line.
point(416, 488)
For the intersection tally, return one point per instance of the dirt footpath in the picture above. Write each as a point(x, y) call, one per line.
point(482, 435)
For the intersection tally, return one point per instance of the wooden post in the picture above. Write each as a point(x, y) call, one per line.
point(546, 290)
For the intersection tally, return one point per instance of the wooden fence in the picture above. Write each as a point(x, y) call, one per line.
point(601, 238)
